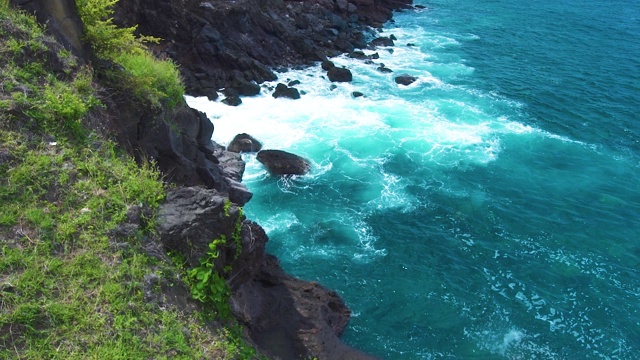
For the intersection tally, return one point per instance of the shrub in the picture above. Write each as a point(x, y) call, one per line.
point(154, 81)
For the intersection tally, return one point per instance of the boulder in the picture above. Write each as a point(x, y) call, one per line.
point(244, 143)
point(384, 69)
point(232, 100)
point(280, 162)
point(284, 91)
point(327, 65)
point(358, 54)
point(280, 309)
point(357, 94)
point(382, 41)
point(405, 79)
point(244, 87)
point(337, 74)
point(191, 218)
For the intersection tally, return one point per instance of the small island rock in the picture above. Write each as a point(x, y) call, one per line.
point(244, 143)
point(280, 162)
point(405, 79)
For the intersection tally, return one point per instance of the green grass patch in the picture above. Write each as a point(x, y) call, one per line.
point(69, 289)
point(152, 81)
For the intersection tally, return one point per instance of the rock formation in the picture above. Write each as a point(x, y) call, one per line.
point(232, 44)
point(280, 162)
point(244, 143)
point(303, 318)
point(405, 79)
point(285, 91)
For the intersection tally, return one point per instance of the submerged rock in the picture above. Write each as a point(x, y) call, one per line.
point(383, 69)
point(405, 79)
point(280, 162)
point(232, 100)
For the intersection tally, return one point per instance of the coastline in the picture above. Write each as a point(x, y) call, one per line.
point(235, 54)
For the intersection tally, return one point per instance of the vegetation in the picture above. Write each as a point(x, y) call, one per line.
point(152, 81)
point(73, 284)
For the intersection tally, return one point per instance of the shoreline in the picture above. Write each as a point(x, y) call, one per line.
point(214, 59)
point(235, 46)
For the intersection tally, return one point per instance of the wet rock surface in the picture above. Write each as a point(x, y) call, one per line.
point(287, 317)
point(405, 79)
point(244, 143)
point(221, 44)
point(280, 162)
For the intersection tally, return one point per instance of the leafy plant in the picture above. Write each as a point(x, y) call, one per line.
point(156, 82)
point(208, 286)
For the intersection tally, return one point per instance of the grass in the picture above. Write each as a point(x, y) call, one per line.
point(70, 287)
point(154, 82)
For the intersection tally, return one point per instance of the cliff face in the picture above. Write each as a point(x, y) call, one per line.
point(62, 19)
point(233, 43)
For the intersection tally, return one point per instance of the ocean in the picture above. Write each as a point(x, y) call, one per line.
point(491, 209)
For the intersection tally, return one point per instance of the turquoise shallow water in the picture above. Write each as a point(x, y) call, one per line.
point(488, 211)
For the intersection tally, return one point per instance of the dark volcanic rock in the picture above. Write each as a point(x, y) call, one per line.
point(358, 54)
point(219, 42)
point(303, 318)
point(283, 90)
point(384, 69)
point(232, 100)
point(337, 74)
point(244, 143)
point(191, 218)
point(327, 65)
point(357, 94)
point(405, 79)
point(280, 162)
point(382, 41)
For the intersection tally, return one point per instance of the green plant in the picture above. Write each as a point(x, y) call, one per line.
point(106, 38)
point(237, 234)
point(208, 286)
point(71, 285)
point(156, 82)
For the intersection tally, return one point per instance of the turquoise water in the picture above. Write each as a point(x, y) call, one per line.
point(488, 211)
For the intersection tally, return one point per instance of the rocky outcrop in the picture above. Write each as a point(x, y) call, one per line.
point(231, 45)
point(221, 44)
point(62, 19)
point(381, 41)
point(287, 317)
point(337, 74)
point(178, 141)
point(285, 91)
point(244, 143)
point(281, 163)
point(405, 79)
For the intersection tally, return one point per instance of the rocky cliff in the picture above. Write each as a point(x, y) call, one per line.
point(229, 44)
point(221, 44)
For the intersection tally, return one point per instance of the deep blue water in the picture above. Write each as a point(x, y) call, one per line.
point(491, 210)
